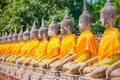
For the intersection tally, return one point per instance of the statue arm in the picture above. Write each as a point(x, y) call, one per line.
point(42, 58)
point(112, 67)
point(70, 58)
point(90, 61)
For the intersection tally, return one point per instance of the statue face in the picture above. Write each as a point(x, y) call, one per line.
point(5, 39)
point(63, 30)
point(26, 36)
point(20, 37)
point(82, 28)
point(34, 35)
point(103, 20)
point(15, 37)
point(39, 35)
point(10, 39)
point(51, 32)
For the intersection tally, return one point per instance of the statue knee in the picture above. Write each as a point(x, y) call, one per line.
point(99, 72)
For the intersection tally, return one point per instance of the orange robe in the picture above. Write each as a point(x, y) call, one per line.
point(109, 50)
point(53, 48)
point(68, 45)
point(110, 43)
point(24, 48)
point(86, 43)
point(42, 49)
point(31, 49)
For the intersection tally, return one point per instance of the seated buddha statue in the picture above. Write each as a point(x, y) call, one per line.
point(68, 43)
point(86, 47)
point(109, 48)
point(53, 48)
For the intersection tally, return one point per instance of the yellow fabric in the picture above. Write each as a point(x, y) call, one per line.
point(24, 48)
point(45, 60)
point(68, 45)
point(42, 49)
point(53, 48)
point(83, 57)
point(31, 49)
point(86, 43)
point(110, 43)
point(110, 60)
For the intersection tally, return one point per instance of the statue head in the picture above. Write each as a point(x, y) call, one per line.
point(53, 28)
point(43, 31)
point(15, 35)
point(108, 15)
point(85, 19)
point(20, 35)
point(66, 24)
point(34, 32)
point(10, 37)
point(26, 34)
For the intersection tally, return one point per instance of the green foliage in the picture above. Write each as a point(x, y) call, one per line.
point(15, 13)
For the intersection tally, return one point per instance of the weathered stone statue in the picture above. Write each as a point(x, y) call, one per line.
point(86, 47)
point(109, 48)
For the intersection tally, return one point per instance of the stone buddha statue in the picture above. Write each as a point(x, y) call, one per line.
point(86, 47)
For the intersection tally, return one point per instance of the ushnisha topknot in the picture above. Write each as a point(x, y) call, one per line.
point(10, 36)
point(53, 25)
point(43, 28)
point(66, 22)
point(15, 35)
point(108, 14)
point(26, 31)
point(20, 35)
point(85, 19)
point(34, 29)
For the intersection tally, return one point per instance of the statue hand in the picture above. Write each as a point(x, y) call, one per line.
point(82, 66)
point(108, 72)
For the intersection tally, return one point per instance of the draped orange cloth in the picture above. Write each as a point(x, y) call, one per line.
point(68, 45)
point(42, 49)
point(110, 43)
point(24, 48)
point(86, 43)
point(31, 49)
point(53, 48)
point(9, 48)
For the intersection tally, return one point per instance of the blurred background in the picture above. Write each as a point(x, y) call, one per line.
point(15, 13)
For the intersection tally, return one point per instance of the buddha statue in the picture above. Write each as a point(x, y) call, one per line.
point(86, 47)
